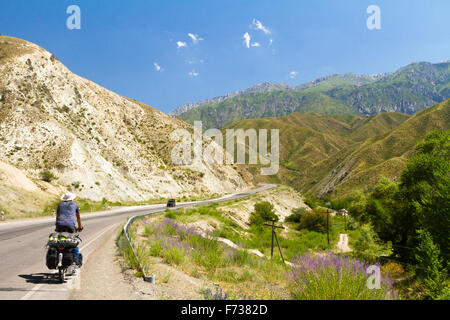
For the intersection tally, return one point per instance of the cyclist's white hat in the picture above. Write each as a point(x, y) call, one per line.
point(69, 196)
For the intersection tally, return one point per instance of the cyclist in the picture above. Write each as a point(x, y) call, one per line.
point(67, 216)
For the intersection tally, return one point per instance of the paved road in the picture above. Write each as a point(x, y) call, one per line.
point(23, 274)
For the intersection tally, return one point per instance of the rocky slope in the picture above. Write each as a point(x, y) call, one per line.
point(408, 90)
point(263, 87)
point(92, 140)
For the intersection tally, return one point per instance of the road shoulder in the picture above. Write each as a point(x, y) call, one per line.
point(106, 277)
point(101, 277)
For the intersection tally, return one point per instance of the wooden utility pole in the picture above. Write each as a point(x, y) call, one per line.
point(328, 227)
point(328, 205)
point(271, 247)
point(274, 234)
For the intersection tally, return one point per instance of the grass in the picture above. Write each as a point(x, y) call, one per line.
point(85, 205)
point(260, 237)
point(166, 278)
point(12, 47)
point(241, 274)
point(137, 259)
point(237, 271)
point(88, 205)
point(328, 276)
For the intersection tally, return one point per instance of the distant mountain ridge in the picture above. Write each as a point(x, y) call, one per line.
point(408, 90)
point(269, 86)
point(263, 87)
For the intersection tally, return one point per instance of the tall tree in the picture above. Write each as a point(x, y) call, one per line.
point(425, 190)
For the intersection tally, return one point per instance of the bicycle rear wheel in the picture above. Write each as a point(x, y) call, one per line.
point(61, 274)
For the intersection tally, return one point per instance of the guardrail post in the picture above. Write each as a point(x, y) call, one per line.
point(151, 279)
point(3, 216)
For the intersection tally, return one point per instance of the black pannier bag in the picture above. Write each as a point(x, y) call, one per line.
point(52, 258)
point(67, 259)
point(67, 243)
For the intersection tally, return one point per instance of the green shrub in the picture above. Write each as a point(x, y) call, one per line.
point(429, 264)
point(445, 294)
point(64, 108)
point(263, 212)
point(368, 245)
point(313, 202)
point(393, 269)
point(344, 203)
point(315, 220)
point(170, 214)
point(76, 184)
point(48, 176)
point(351, 223)
point(296, 215)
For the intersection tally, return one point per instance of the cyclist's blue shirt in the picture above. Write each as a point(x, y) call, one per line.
point(67, 211)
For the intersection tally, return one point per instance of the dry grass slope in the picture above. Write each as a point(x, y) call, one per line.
point(335, 155)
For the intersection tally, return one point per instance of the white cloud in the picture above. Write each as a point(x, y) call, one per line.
point(255, 44)
point(181, 44)
point(293, 74)
point(259, 26)
point(195, 38)
point(194, 61)
point(270, 42)
point(247, 39)
point(194, 73)
point(158, 67)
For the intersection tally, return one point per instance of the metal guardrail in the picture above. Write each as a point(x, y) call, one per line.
point(147, 278)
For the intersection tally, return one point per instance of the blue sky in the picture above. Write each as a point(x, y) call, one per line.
point(293, 41)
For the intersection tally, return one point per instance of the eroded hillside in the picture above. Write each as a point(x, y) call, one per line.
point(92, 140)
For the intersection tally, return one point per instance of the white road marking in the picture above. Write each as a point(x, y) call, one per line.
point(32, 291)
point(90, 242)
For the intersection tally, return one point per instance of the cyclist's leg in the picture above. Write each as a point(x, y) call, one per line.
point(65, 229)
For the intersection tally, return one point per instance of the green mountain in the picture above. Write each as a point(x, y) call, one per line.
point(408, 90)
point(263, 105)
point(335, 155)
